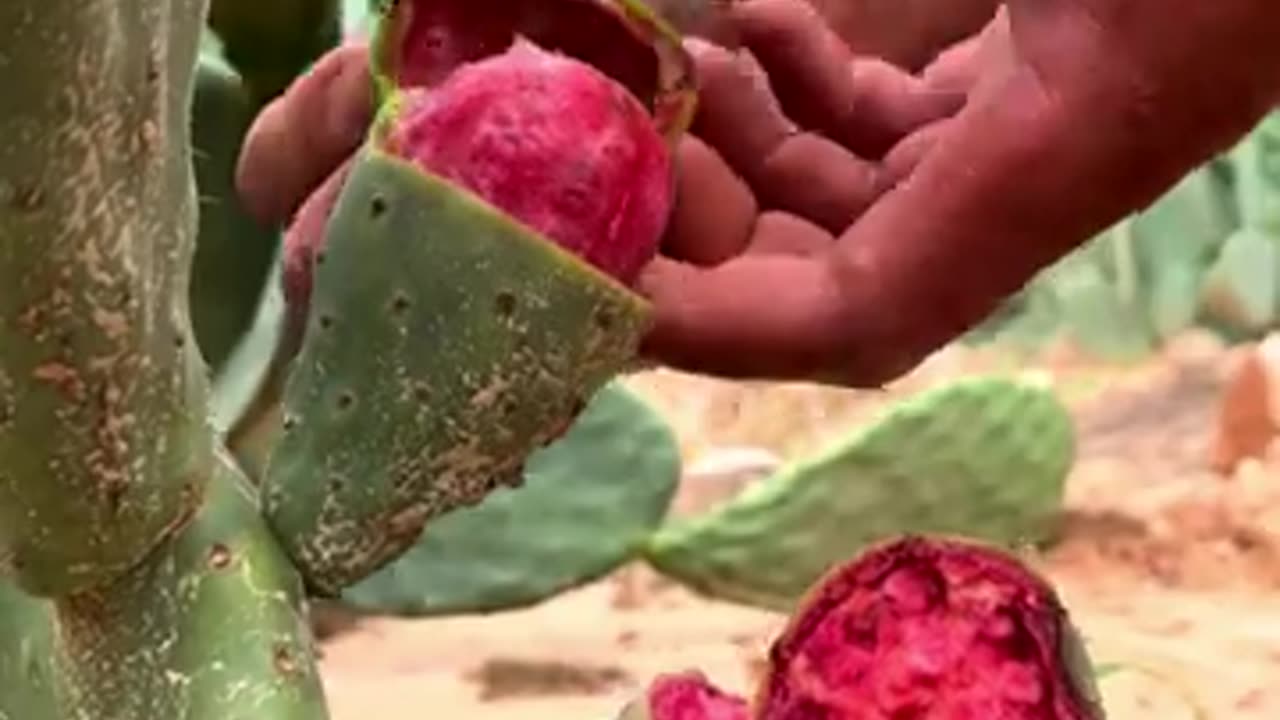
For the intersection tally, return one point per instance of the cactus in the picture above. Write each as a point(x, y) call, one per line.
point(912, 627)
point(490, 337)
point(1204, 254)
point(234, 253)
point(587, 503)
point(983, 457)
point(446, 337)
point(144, 574)
point(270, 41)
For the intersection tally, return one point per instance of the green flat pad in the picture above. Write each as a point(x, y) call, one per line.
point(587, 503)
point(233, 251)
point(1241, 288)
point(983, 458)
point(26, 665)
point(445, 344)
point(211, 627)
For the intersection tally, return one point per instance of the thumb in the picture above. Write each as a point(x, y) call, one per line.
point(303, 136)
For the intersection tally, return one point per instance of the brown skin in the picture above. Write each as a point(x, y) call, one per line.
point(865, 217)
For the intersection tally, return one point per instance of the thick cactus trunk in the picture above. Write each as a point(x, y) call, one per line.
point(102, 396)
point(145, 582)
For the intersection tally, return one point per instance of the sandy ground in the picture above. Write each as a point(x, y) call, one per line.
point(1172, 573)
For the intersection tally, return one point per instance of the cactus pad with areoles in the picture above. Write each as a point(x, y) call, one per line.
point(586, 504)
point(447, 339)
point(981, 457)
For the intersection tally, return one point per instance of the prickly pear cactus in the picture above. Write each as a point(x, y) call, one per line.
point(1203, 255)
point(142, 575)
point(584, 507)
point(488, 337)
point(234, 253)
point(985, 458)
point(102, 393)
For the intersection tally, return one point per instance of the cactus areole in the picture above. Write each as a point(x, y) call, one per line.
point(926, 628)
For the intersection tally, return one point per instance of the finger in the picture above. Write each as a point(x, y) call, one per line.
point(714, 209)
point(738, 114)
point(865, 105)
point(819, 180)
point(300, 138)
point(779, 233)
point(906, 155)
point(801, 173)
point(957, 68)
point(756, 316)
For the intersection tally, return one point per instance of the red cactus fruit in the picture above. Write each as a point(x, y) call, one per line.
point(928, 628)
point(571, 142)
point(553, 142)
point(690, 696)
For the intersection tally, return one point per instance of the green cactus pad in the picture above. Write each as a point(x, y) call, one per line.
point(1256, 161)
point(985, 458)
point(587, 503)
point(270, 43)
point(1175, 241)
point(1240, 290)
point(234, 252)
point(445, 343)
point(102, 391)
point(26, 663)
point(1098, 302)
point(209, 628)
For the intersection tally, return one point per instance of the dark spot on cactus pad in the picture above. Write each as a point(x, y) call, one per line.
point(399, 303)
point(219, 556)
point(319, 257)
point(284, 661)
point(377, 207)
point(934, 629)
point(505, 303)
point(346, 400)
point(421, 392)
point(326, 321)
point(336, 485)
point(289, 423)
point(691, 696)
point(603, 320)
point(27, 198)
point(509, 407)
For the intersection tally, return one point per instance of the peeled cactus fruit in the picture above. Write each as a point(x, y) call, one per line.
point(553, 142)
point(929, 628)
point(686, 696)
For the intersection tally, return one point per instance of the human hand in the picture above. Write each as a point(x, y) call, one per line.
point(765, 174)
